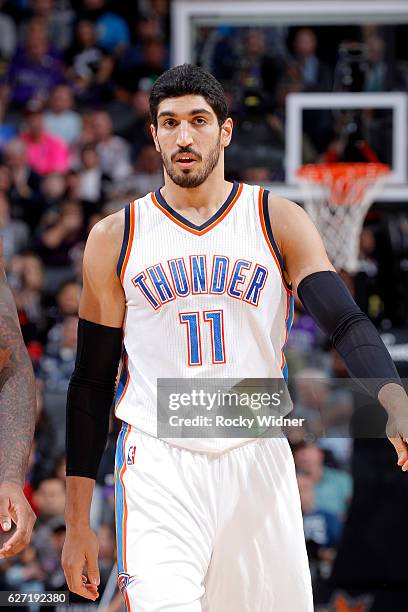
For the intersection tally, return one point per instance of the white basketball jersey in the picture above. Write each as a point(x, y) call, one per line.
point(205, 301)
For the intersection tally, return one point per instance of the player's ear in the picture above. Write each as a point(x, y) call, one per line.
point(153, 132)
point(226, 132)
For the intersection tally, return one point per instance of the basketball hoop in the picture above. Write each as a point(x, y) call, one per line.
point(337, 197)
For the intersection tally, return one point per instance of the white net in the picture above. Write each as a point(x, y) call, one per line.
point(337, 198)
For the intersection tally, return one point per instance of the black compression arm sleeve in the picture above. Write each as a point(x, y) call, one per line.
point(352, 334)
point(90, 396)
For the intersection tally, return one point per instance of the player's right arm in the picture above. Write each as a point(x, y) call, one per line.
point(90, 396)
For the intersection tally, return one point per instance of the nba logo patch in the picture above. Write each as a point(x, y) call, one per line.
point(131, 455)
point(123, 581)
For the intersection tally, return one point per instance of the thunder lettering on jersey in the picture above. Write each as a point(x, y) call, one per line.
point(166, 281)
point(207, 301)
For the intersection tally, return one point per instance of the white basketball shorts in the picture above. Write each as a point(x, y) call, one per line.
point(199, 532)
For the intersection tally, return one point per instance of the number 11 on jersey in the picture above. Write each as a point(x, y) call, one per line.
point(192, 321)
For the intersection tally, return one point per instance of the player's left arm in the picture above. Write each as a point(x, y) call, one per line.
point(327, 299)
point(17, 421)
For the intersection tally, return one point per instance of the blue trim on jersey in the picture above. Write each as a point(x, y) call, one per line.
point(289, 322)
point(268, 227)
point(125, 241)
point(123, 378)
point(188, 223)
point(119, 495)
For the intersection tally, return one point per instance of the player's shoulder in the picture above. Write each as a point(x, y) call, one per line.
point(105, 240)
point(284, 213)
point(288, 219)
point(279, 205)
point(110, 227)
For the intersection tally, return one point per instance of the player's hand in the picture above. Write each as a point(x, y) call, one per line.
point(81, 548)
point(397, 432)
point(14, 510)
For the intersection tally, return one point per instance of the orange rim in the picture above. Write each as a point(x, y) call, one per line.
point(318, 173)
point(347, 182)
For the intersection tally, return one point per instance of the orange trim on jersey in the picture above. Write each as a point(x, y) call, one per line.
point(198, 232)
point(130, 240)
point(125, 509)
point(265, 233)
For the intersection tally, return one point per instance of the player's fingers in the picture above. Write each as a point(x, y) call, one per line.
point(93, 570)
point(24, 517)
point(88, 585)
point(17, 542)
point(401, 449)
point(75, 583)
point(5, 516)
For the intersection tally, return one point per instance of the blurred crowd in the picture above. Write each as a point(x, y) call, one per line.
point(75, 78)
point(259, 67)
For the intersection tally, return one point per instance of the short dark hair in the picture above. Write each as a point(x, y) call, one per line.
point(188, 79)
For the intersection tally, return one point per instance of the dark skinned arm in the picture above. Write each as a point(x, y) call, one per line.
point(17, 422)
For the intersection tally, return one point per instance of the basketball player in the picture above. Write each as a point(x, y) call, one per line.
point(201, 276)
point(17, 420)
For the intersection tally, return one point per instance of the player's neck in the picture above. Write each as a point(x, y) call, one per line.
point(209, 195)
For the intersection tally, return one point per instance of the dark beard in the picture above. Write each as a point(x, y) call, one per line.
point(189, 181)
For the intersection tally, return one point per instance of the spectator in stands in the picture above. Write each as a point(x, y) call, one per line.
point(13, 234)
point(377, 76)
point(68, 297)
point(57, 18)
point(60, 119)
point(112, 30)
point(7, 130)
point(316, 76)
point(320, 402)
point(91, 177)
point(302, 340)
point(258, 71)
point(89, 66)
point(60, 465)
point(73, 184)
point(8, 34)
point(46, 439)
point(137, 131)
point(327, 407)
point(146, 28)
point(332, 487)
point(56, 240)
point(26, 276)
point(160, 11)
point(25, 573)
point(49, 498)
point(57, 364)
point(322, 529)
point(53, 187)
point(66, 305)
point(25, 184)
point(33, 71)
point(147, 176)
point(113, 151)
point(45, 153)
point(55, 580)
point(130, 77)
point(107, 552)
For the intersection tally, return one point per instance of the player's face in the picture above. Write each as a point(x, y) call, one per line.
point(189, 139)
